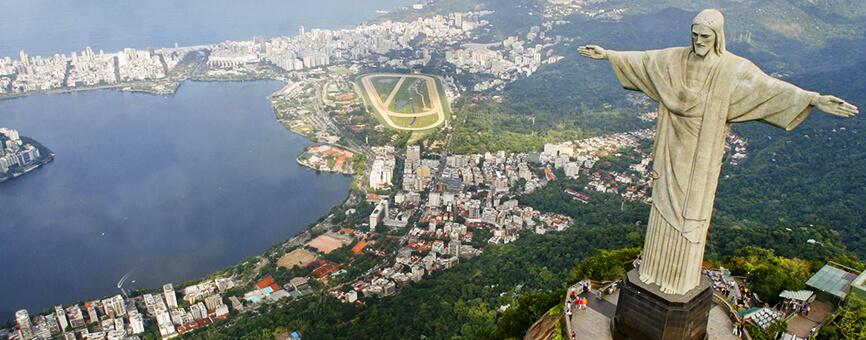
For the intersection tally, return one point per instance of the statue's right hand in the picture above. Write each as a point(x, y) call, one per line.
point(592, 51)
point(835, 106)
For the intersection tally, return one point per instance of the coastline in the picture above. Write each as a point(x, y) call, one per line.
point(125, 87)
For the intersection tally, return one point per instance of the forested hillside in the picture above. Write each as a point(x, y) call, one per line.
point(815, 174)
point(787, 38)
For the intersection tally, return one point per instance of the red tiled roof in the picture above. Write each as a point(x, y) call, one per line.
point(264, 283)
point(325, 270)
point(275, 287)
point(193, 325)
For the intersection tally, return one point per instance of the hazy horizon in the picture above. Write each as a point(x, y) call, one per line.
point(46, 27)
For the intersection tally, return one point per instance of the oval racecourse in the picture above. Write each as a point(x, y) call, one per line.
point(408, 102)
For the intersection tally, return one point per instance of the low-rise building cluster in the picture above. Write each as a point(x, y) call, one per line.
point(507, 60)
point(578, 158)
point(737, 149)
point(449, 202)
point(559, 9)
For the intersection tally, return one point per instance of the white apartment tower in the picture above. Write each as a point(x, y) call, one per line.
point(61, 318)
point(170, 297)
point(136, 322)
point(380, 175)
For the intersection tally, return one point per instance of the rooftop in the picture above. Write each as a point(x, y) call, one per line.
point(264, 283)
point(832, 279)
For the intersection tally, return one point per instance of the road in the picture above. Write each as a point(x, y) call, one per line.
point(327, 124)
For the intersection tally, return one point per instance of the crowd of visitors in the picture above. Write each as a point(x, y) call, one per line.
point(735, 293)
point(573, 302)
point(791, 306)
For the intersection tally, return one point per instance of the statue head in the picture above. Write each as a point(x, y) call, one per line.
point(708, 32)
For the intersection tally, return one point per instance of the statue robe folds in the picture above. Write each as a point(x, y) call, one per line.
point(689, 147)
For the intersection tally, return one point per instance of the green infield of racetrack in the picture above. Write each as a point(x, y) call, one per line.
point(384, 89)
point(384, 85)
point(419, 121)
point(405, 93)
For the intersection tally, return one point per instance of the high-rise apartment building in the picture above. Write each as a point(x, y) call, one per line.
point(170, 297)
point(61, 317)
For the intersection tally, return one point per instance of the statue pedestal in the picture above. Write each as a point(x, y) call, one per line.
point(644, 312)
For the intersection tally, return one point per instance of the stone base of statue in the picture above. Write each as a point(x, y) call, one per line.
point(644, 312)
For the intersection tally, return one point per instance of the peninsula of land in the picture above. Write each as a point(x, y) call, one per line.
point(328, 158)
point(20, 155)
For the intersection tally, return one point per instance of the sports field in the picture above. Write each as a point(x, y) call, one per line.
point(409, 102)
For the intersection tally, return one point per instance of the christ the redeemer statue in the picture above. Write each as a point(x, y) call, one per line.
point(701, 90)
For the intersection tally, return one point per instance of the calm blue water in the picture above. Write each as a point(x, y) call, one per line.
point(43, 27)
point(180, 186)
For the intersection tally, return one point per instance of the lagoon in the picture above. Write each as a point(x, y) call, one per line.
point(170, 188)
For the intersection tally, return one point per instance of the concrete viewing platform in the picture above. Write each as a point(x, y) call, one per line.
point(594, 321)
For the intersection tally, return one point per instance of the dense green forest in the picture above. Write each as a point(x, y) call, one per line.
point(812, 177)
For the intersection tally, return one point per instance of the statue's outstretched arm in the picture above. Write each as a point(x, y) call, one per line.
point(593, 52)
point(835, 106)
